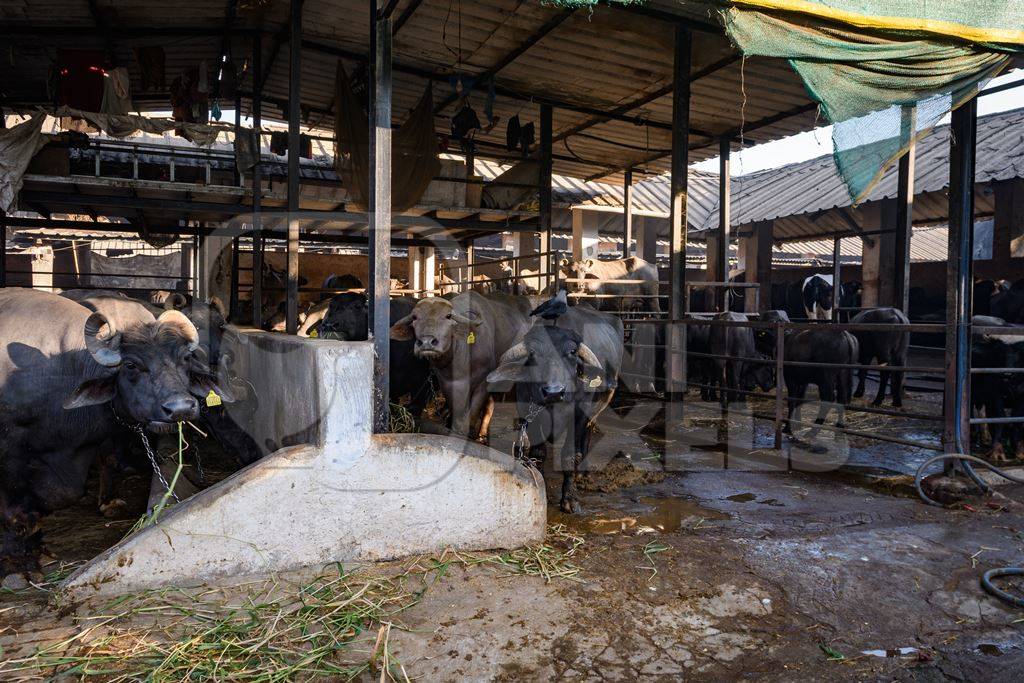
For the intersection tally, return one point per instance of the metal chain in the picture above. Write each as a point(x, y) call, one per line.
point(149, 453)
point(519, 445)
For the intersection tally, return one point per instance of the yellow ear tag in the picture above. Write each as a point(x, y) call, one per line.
point(595, 383)
point(313, 334)
point(471, 339)
point(212, 400)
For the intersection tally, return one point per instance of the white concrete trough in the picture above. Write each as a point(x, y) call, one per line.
point(331, 491)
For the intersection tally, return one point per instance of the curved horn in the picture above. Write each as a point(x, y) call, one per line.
point(175, 301)
point(517, 354)
point(104, 351)
point(587, 356)
point(459, 318)
point(180, 322)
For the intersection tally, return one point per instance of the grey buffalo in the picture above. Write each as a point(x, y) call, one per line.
point(638, 294)
point(565, 374)
point(463, 339)
point(888, 347)
point(72, 379)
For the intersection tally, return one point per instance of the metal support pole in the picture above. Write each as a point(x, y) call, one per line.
point(724, 217)
point(678, 198)
point(956, 397)
point(380, 212)
point(233, 302)
point(238, 132)
point(545, 185)
point(627, 213)
point(3, 248)
point(780, 353)
point(470, 258)
point(257, 184)
point(905, 216)
point(294, 93)
point(837, 280)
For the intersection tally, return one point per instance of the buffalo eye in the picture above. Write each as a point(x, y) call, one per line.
point(449, 316)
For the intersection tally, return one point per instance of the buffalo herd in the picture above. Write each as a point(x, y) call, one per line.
point(88, 372)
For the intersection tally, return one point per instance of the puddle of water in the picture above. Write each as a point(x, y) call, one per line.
point(990, 649)
point(771, 501)
point(741, 497)
point(895, 652)
point(663, 515)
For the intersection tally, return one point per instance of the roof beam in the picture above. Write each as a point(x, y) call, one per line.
point(767, 121)
point(661, 15)
point(15, 30)
point(647, 99)
point(549, 26)
point(280, 38)
point(405, 16)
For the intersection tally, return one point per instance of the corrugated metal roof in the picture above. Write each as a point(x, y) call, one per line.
point(599, 59)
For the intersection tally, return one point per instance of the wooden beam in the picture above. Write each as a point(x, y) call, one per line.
point(959, 266)
point(548, 26)
point(380, 215)
point(15, 30)
point(405, 16)
point(294, 145)
point(905, 215)
point(646, 99)
point(280, 38)
point(837, 281)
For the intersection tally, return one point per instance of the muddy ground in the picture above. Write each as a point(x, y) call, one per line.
point(698, 561)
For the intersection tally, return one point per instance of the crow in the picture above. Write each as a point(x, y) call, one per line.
point(553, 307)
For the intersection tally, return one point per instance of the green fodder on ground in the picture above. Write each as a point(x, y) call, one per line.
point(335, 626)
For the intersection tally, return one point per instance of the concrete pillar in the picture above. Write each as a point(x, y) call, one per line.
point(712, 271)
point(428, 269)
point(1008, 228)
point(524, 246)
point(415, 270)
point(646, 232)
point(584, 234)
point(878, 270)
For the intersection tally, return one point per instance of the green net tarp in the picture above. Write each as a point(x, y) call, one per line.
point(883, 72)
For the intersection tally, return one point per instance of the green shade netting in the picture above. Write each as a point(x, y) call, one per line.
point(881, 87)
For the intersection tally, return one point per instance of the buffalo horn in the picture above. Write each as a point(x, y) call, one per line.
point(587, 356)
point(102, 350)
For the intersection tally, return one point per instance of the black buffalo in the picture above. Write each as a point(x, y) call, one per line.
point(73, 379)
point(564, 375)
point(346, 319)
point(999, 394)
point(744, 370)
point(699, 369)
point(884, 347)
point(1008, 304)
point(829, 346)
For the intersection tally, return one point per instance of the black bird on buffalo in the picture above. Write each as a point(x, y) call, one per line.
point(553, 307)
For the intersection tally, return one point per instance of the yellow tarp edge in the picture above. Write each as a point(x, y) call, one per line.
point(973, 34)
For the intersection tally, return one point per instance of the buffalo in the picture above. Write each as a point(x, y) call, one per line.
point(825, 346)
point(618, 296)
point(463, 339)
point(347, 320)
point(73, 379)
point(744, 370)
point(999, 394)
point(887, 347)
point(565, 374)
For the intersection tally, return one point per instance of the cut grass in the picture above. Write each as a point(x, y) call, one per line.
point(336, 626)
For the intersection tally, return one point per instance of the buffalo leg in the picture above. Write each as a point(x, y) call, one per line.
point(20, 536)
point(795, 397)
point(883, 382)
point(861, 377)
point(826, 397)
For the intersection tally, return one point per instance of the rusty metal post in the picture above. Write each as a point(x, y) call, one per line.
point(780, 355)
point(837, 280)
point(724, 219)
point(294, 95)
point(627, 212)
point(257, 184)
point(956, 396)
point(678, 201)
point(905, 216)
point(380, 211)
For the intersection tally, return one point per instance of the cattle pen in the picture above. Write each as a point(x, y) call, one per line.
point(334, 330)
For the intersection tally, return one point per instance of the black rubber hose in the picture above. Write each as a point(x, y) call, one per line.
point(965, 460)
point(986, 583)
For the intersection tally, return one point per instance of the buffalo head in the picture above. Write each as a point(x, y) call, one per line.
point(152, 373)
point(434, 324)
point(551, 364)
point(346, 318)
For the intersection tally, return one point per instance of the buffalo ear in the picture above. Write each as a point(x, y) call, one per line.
point(402, 330)
point(202, 383)
point(592, 377)
point(509, 372)
point(91, 392)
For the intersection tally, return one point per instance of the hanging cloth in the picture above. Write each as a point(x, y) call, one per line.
point(151, 66)
point(117, 98)
point(414, 148)
point(884, 73)
point(17, 147)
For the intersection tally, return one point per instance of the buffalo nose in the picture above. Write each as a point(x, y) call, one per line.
point(552, 391)
point(178, 409)
point(429, 342)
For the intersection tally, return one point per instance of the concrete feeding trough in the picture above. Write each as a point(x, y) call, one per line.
point(330, 491)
